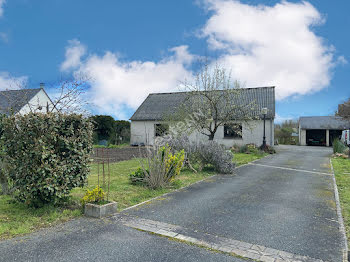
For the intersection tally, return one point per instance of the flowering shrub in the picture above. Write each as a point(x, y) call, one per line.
point(205, 153)
point(162, 166)
point(95, 196)
point(211, 152)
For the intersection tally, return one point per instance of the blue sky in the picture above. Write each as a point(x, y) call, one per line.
point(132, 48)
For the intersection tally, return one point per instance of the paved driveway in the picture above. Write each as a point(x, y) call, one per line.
point(284, 202)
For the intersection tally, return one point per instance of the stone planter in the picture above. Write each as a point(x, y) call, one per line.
point(98, 211)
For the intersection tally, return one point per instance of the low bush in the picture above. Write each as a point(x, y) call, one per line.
point(268, 149)
point(243, 149)
point(211, 153)
point(161, 167)
point(338, 146)
point(205, 153)
point(95, 196)
point(47, 155)
point(137, 177)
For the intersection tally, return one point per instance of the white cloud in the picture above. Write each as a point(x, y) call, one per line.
point(4, 37)
point(74, 52)
point(117, 85)
point(280, 119)
point(8, 82)
point(2, 2)
point(342, 60)
point(271, 45)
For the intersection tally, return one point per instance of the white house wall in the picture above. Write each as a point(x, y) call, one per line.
point(252, 132)
point(37, 104)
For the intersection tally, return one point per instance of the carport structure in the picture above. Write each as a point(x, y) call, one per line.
point(320, 130)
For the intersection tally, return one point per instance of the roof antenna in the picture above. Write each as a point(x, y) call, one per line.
point(42, 85)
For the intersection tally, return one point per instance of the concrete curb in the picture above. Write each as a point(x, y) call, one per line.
point(215, 243)
point(340, 217)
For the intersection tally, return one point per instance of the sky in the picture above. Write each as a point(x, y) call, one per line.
point(128, 49)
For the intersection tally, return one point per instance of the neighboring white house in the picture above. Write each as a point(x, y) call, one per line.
point(23, 101)
point(147, 122)
point(321, 130)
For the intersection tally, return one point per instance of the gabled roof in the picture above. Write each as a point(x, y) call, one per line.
point(323, 122)
point(14, 100)
point(157, 105)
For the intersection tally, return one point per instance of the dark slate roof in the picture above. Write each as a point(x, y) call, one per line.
point(157, 105)
point(14, 100)
point(323, 122)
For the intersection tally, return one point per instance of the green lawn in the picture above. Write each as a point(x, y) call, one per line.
point(17, 219)
point(342, 175)
point(243, 158)
point(126, 194)
point(113, 146)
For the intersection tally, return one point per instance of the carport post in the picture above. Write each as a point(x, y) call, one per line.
point(327, 137)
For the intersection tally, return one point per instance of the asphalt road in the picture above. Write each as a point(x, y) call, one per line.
point(284, 201)
point(282, 208)
point(102, 240)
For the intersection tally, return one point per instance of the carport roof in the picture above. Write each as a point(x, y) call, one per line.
point(323, 122)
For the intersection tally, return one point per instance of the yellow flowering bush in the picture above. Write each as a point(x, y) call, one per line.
point(162, 166)
point(93, 196)
point(174, 163)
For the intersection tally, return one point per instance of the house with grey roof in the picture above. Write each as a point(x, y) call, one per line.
point(23, 101)
point(148, 122)
point(321, 130)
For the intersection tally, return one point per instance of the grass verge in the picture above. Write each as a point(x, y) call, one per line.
point(244, 158)
point(342, 176)
point(18, 219)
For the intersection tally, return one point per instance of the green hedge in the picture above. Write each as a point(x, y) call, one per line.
point(47, 155)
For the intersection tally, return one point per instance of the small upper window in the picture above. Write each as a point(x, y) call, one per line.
point(161, 129)
point(233, 131)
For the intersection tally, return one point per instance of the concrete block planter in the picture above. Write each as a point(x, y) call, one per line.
point(98, 211)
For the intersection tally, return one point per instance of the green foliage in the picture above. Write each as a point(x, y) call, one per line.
point(338, 146)
point(104, 127)
point(95, 196)
point(243, 149)
point(162, 166)
point(205, 153)
point(47, 155)
point(341, 170)
point(137, 177)
point(111, 146)
point(283, 132)
point(122, 130)
point(113, 131)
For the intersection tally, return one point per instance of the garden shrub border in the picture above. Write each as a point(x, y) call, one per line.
point(47, 155)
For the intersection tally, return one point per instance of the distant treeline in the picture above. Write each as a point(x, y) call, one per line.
point(110, 131)
point(284, 132)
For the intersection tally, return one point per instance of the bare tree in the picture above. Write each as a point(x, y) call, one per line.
point(214, 100)
point(69, 97)
point(344, 109)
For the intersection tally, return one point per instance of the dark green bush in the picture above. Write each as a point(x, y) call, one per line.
point(47, 155)
point(338, 146)
point(243, 149)
point(137, 177)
